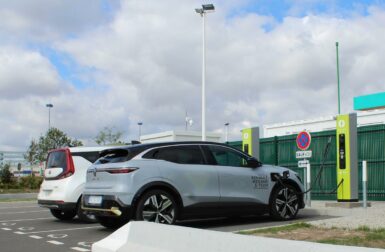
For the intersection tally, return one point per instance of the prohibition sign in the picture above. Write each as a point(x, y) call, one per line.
point(303, 140)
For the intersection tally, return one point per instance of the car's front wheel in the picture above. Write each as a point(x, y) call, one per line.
point(63, 215)
point(284, 203)
point(157, 206)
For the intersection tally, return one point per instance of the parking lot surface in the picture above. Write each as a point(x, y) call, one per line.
point(26, 227)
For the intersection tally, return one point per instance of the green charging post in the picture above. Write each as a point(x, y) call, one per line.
point(347, 160)
point(250, 141)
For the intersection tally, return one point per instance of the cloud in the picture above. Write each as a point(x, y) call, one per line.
point(146, 66)
point(26, 73)
point(44, 20)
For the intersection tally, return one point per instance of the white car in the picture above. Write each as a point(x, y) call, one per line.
point(64, 180)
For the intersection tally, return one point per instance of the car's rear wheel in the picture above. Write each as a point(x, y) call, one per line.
point(111, 222)
point(63, 215)
point(84, 216)
point(157, 206)
point(284, 203)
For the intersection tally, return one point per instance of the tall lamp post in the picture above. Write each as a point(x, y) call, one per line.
point(140, 129)
point(49, 106)
point(227, 132)
point(206, 8)
point(338, 79)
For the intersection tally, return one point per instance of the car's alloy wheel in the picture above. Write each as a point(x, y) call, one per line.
point(285, 203)
point(157, 206)
point(63, 215)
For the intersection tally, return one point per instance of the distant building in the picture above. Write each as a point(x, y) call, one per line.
point(16, 159)
point(321, 124)
point(169, 136)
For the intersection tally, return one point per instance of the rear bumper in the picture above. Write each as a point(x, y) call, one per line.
point(111, 206)
point(52, 204)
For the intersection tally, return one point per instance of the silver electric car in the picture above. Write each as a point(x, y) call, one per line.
point(166, 182)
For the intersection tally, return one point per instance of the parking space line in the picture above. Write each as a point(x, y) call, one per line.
point(55, 242)
point(36, 237)
point(6, 229)
point(57, 230)
point(26, 212)
point(26, 219)
point(80, 249)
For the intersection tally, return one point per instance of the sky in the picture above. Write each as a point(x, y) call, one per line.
point(110, 63)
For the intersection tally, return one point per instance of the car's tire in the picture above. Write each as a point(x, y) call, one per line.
point(157, 206)
point(89, 218)
point(111, 222)
point(63, 215)
point(284, 203)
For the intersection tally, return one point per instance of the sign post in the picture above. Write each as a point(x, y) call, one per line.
point(303, 143)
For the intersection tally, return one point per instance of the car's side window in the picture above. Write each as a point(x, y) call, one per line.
point(188, 154)
point(227, 157)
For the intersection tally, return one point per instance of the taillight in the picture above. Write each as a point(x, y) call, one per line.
point(68, 167)
point(70, 170)
point(119, 170)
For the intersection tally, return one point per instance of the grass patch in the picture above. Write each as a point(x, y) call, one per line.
point(6, 191)
point(362, 236)
point(274, 230)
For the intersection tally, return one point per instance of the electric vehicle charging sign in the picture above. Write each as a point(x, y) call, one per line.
point(303, 140)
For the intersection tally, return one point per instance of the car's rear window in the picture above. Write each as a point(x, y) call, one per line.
point(57, 159)
point(117, 155)
point(90, 156)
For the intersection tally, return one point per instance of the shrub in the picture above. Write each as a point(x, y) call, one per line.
point(30, 182)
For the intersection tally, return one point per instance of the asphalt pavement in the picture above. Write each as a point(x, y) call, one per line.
point(26, 227)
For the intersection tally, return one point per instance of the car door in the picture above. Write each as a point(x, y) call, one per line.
point(185, 167)
point(237, 181)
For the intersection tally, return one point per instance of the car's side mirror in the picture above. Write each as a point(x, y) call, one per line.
point(253, 163)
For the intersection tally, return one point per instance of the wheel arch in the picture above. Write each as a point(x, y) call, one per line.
point(287, 182)
point(158, 185)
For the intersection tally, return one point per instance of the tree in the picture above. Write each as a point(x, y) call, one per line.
point(108, 136)
point(53, 139)
point(6, 174)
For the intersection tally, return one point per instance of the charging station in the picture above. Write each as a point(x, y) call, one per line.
point(250, 141)
point(347, 160)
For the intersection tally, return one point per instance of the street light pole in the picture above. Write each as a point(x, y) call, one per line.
point(206, 8)
point(227, 132)
point(49, 106)
point(140, 129)
point(338, 80)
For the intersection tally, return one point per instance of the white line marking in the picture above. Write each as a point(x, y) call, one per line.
point(80, 249)
point(26, 212)
point(55, 242)
point(26, 228)
point(18, 232)
point(26, 219)
point(85, 244)
point(57, 230)
point(36, 237)
point(6, 229)
point(8, 224)
point(57, 236)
